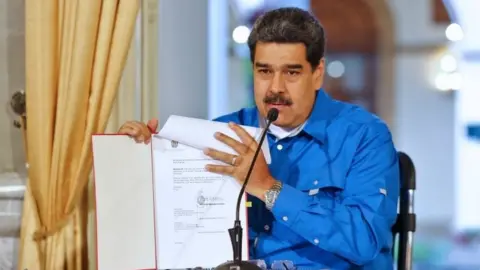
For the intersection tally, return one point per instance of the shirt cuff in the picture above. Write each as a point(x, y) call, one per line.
point(290, 202)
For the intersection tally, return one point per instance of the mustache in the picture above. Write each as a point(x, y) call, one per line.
point(277, 99)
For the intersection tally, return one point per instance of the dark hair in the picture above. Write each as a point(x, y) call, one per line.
point(289, 25)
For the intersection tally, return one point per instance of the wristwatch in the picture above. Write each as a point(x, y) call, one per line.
point(271, 195)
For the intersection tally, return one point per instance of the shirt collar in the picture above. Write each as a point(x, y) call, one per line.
point(324, 110)
point(279, 132)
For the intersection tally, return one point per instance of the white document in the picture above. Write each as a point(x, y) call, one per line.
point(157, 207)
point(199, 134)
point(125, 219)
point(194, 209)
point(193, 230)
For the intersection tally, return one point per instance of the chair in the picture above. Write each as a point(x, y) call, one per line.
point(406, 219)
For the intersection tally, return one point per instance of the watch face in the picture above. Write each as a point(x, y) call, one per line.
point(269, 196)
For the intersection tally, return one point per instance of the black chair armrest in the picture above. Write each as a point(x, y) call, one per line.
point(405, 225)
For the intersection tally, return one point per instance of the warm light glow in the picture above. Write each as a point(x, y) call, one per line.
point(448, 63)
point(448, 81)
point(455, 80)
point(441, 82)
point(454, 32)
point(335, 69)
point(240, 34)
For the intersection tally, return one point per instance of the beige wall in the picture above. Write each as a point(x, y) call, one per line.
point(12, 78)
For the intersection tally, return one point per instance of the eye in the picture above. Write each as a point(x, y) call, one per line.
point(293, 73)
point(264, 71)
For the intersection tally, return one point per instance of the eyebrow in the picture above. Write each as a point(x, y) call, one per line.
point(289, 66)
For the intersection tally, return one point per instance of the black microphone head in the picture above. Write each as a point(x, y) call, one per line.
point(272, 115)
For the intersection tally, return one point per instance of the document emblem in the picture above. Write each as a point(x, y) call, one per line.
point(200, 199)
point(203, 200)
point(174, 144)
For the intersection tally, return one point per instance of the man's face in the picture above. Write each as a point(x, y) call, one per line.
point(283, 79)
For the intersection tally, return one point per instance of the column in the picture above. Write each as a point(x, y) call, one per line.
point(467, 112)
point(148, 46)
point(192, 58)
point(218, 57)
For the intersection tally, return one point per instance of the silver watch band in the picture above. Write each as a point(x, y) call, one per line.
point(272, 194)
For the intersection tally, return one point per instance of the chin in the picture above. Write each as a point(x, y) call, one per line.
point(281, 122)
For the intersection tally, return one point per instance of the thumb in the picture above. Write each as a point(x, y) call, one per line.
point(152, 124)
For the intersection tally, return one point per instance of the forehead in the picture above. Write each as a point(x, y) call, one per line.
point(278, 54)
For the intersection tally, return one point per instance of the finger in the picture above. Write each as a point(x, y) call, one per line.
point(145, 133)
point(128, 129)
point(220, 169)
point(244, 136)
point(125, 131)
point(152, 125)
point(222, 156)
point(234, 144)
point(141, 126)
point(137, 130)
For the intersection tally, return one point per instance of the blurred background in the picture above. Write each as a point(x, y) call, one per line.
point(415, 63)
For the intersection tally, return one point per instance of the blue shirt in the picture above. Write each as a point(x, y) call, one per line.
point(341, 184)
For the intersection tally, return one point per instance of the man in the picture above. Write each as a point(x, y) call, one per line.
point(329, 198)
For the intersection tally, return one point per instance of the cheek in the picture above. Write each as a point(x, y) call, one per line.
point(302, 97)
point(298, 93)
point(260, 89)
point(297, 99)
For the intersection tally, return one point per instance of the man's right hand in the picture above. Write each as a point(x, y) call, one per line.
point(139, 131)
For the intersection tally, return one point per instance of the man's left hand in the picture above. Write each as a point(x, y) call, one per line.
point(260, 179)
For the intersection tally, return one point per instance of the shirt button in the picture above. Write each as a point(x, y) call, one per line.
point(316, 241)
point(315, 182)
point(266, 227)
point(279, 147)
point(285, 218)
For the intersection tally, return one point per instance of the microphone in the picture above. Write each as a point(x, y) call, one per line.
point(236, 232)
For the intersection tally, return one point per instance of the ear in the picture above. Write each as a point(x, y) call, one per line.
point(318, 74)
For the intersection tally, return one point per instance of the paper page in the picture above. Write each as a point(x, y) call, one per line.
point(124, 203)
point(199, 134)
point(194, 209)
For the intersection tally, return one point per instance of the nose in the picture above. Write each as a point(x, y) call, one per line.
point(278, 83)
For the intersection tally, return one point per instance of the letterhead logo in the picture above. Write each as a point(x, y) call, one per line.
point(200, 199)
point(203, 200)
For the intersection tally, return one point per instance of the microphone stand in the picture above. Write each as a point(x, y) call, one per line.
point(236, 232)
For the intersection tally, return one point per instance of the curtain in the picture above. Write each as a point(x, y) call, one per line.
point(75, 55)
point(124, 107)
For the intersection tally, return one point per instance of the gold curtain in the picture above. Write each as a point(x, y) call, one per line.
point(123, 108)
point(75, 54)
